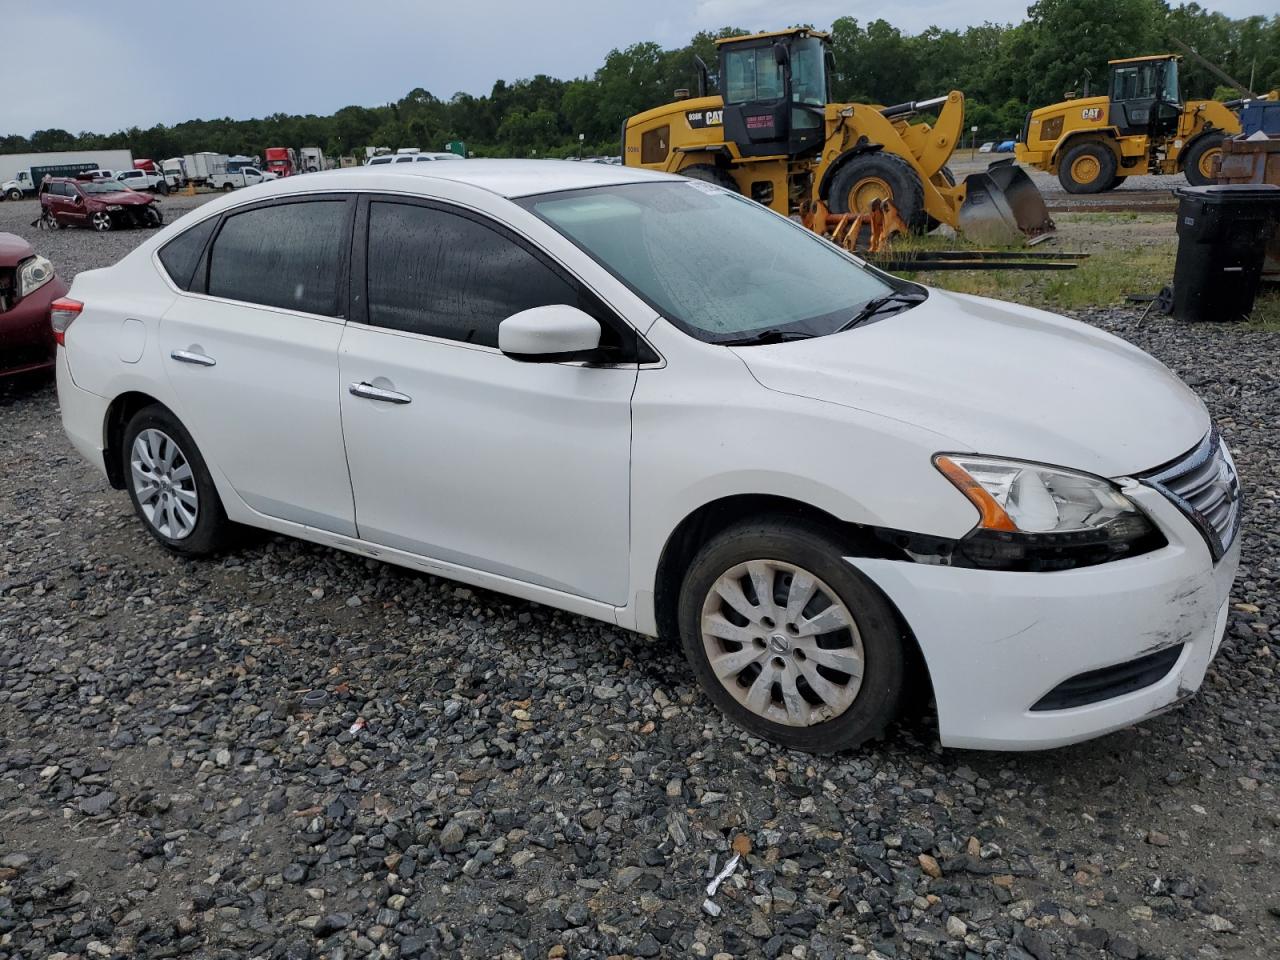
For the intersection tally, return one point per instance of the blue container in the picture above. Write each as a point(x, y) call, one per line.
point(1261, 115)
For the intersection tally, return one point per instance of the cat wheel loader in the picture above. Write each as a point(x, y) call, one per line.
point(1142, 126)
point(773, 134)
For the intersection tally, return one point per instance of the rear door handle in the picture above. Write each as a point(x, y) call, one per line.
point(370, 392)
point(187, 356)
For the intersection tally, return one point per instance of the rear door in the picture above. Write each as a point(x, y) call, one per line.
point(252, 354)
point(459, 453)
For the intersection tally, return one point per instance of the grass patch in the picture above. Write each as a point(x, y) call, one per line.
point(1116, 266)
point(1266, 311)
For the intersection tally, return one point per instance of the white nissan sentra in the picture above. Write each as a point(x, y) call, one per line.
point(647, 400)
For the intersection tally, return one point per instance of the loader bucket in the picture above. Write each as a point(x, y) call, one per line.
point(1003, 207)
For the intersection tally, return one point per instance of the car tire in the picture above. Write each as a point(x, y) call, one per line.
point(50, 221)
point(227, 188)
point(1197, 164)
point(153, 218)
point(102, 222)
point(879, 175)
point(163, 188)
point(181, 509)
point(775, 670)
point(14, 194)
point(1087, 168)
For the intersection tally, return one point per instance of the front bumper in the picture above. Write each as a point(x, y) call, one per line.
point(26, 339)
point(996, 643)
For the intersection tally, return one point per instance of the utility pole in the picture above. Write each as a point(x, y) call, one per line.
point(581, 137)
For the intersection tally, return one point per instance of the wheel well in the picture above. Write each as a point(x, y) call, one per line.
point(119, 414)
point(710, 519)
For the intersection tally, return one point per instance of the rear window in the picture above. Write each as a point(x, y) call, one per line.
point(284, 255)
point(181, 255)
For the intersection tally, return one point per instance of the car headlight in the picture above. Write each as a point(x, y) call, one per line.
point(33, 274)
point(1037, 517)
point(111, 208)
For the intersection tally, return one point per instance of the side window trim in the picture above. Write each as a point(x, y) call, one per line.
point(641, 352)
point(200, 280)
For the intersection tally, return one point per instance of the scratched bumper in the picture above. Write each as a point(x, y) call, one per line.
point(996, 642)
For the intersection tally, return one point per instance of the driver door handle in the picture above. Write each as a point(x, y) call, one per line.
point(187, 356)
point(370, 392)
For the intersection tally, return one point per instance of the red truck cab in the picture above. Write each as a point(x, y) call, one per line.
point(282, 161)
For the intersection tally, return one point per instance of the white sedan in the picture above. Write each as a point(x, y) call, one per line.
point(647, 400)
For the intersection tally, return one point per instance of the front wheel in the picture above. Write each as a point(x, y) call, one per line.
point(152, 217)
point(1087, 168)
point(101, 221)
point(170, 486)
point(879, 176)
point(14, 194)
point(1201, 161)
point(789, 640)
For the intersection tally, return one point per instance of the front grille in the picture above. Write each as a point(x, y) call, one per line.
point(1098, 685)
point(1204, 485)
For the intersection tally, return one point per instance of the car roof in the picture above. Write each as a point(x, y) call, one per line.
point(507, 178)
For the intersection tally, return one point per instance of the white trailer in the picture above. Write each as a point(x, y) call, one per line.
point(21, 173)
point(202, 166)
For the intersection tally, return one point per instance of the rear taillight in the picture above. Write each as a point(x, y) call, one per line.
point(61, 312)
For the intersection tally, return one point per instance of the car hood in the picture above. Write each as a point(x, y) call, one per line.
point(122, 196)
point(999, 379)
point(13, 250)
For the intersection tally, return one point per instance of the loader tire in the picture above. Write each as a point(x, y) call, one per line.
point(711, 174)
point(1115, 182)
point(883, 176)
point(1198, 162)
point(1087, 168)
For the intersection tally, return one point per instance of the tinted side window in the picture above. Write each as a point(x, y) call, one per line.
point(181, 255)
point(287, 255)
point(447, 276)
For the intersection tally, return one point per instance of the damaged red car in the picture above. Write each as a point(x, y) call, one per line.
point(102, 205)
point(28, 285)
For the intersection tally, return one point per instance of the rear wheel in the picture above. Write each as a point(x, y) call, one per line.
point(1087, 168)
point(170, 486)
point(711, 174)
point(227, 188)
point(879, 176)
point(788, 640)
point(1201, 160)
point(101, 221)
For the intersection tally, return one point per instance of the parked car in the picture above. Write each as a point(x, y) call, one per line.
point(28, 285)
point(1005, 146)
point(651, 401)
point(987, 147)
point(143, 180)
point(101, 204)
point(416, 157)
point(245, 177)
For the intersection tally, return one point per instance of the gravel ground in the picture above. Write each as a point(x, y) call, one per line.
point(293, 753)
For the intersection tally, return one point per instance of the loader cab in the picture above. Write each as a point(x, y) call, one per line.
point(775, 88)
point(1144, 96)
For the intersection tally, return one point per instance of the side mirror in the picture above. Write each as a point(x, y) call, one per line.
point(551, 334)
point(781, 55)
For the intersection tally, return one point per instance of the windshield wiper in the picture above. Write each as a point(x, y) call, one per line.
point(899, 298)
point(766, 336)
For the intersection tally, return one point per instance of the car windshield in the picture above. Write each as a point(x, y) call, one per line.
point(106, 186)
point(719, 266)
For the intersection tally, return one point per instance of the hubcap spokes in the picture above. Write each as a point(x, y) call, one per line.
point(164, 484)
point(782, 643)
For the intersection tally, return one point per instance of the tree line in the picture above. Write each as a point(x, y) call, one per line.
point(1003, 69)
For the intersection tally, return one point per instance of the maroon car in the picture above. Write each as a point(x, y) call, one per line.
point(28, 286)
point(103, 205)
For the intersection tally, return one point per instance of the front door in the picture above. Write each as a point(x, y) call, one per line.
point(459, 453)
point(254, 360)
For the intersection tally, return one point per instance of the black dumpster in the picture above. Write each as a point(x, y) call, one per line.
point(1222, 239)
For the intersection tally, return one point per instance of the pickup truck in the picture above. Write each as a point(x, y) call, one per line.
point(245, 177)
point(144, 180)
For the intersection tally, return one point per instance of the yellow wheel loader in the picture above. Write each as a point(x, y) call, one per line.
point(1142, 126)
point(773, 135)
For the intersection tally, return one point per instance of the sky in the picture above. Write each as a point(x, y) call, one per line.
point(112, 70)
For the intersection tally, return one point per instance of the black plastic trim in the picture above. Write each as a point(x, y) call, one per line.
point(1106, 683)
